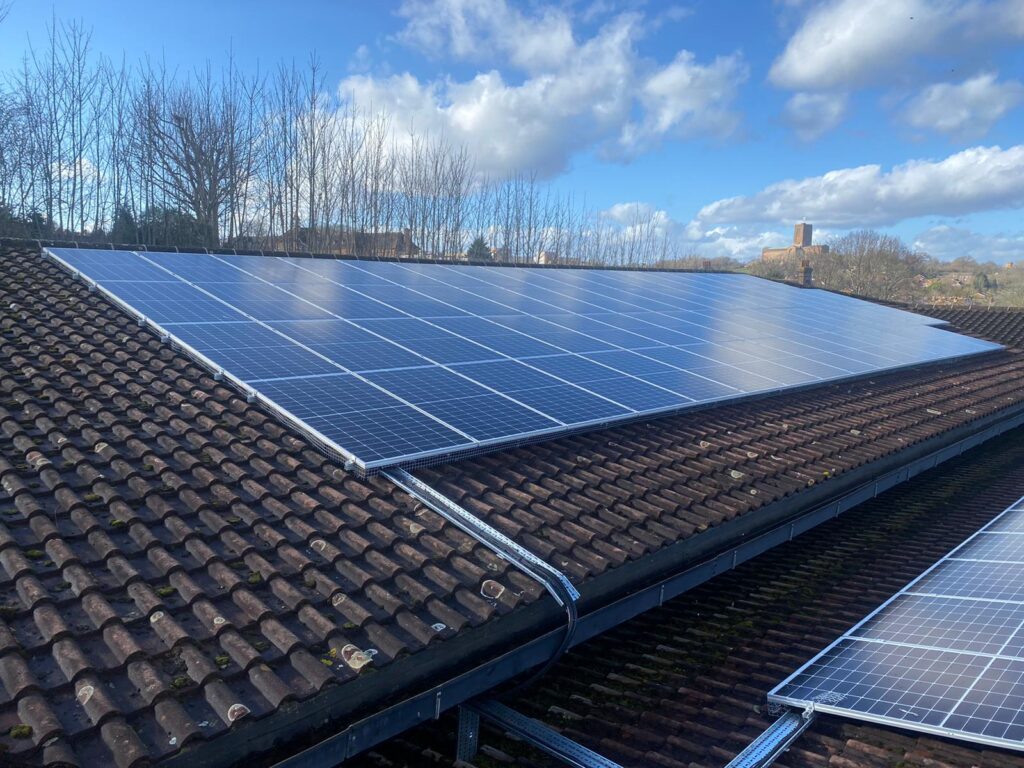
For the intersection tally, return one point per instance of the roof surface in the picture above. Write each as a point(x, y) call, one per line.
point(592, 502)
point(176, 565)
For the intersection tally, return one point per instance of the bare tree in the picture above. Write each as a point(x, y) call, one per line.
point(869, 263)
point(433, 181)
point(94, 149)
point(200, 145)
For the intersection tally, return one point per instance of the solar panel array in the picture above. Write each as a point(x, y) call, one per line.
point(944, 655)
point(389, 363)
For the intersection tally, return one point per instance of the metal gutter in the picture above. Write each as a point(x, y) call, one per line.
point(429, 704)
point(553, 580)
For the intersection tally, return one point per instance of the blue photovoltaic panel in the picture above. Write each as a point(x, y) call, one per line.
point(388, 363)
point(349, 410)
point(250, 350)
point(174, 302)
point(562, 400)
point(944, 655)
point(462, 403)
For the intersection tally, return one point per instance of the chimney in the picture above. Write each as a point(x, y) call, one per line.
point(808, 280)
point(802, 235)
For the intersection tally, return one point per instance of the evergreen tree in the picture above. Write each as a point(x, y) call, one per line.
point(166, 226)
point(124, 228)
point(478, 250)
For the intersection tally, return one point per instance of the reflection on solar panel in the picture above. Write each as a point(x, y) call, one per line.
point(387, 363)
point(945, 655)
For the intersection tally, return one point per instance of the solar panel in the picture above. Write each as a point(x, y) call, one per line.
point(945, 655)
point(397, 363)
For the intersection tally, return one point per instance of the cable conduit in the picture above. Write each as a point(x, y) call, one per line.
point(554, 581)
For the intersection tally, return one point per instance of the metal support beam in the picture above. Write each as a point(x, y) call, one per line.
point(766, 748)
point(526, 728)
point(469, 734)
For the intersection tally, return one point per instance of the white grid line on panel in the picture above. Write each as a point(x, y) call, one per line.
point(619, 347)
point(432, 362)
point(574, 419)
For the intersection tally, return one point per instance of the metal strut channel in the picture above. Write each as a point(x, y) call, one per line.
point(776, 738)
point(553, 580)
point(527, 729)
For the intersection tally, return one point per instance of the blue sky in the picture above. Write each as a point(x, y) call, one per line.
point(732, 119)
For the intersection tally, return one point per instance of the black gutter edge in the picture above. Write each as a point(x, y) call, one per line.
point(640, 589)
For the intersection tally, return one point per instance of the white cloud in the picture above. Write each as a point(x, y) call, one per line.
point(813, 114)
point(640, 219)
point(848, 43)
point(672, 14)
point(480, 29)
point(739, 242)
point(966, 110)
point(686, 98)
point(360, 60)
point(577, 94)
point(629, 213)
point(948, 243)
point(976, 179)
point(537, 124)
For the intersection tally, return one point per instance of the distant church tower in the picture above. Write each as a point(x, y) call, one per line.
point(800, 249)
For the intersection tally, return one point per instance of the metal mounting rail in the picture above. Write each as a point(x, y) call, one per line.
point(766, 748)
point(527, 729)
